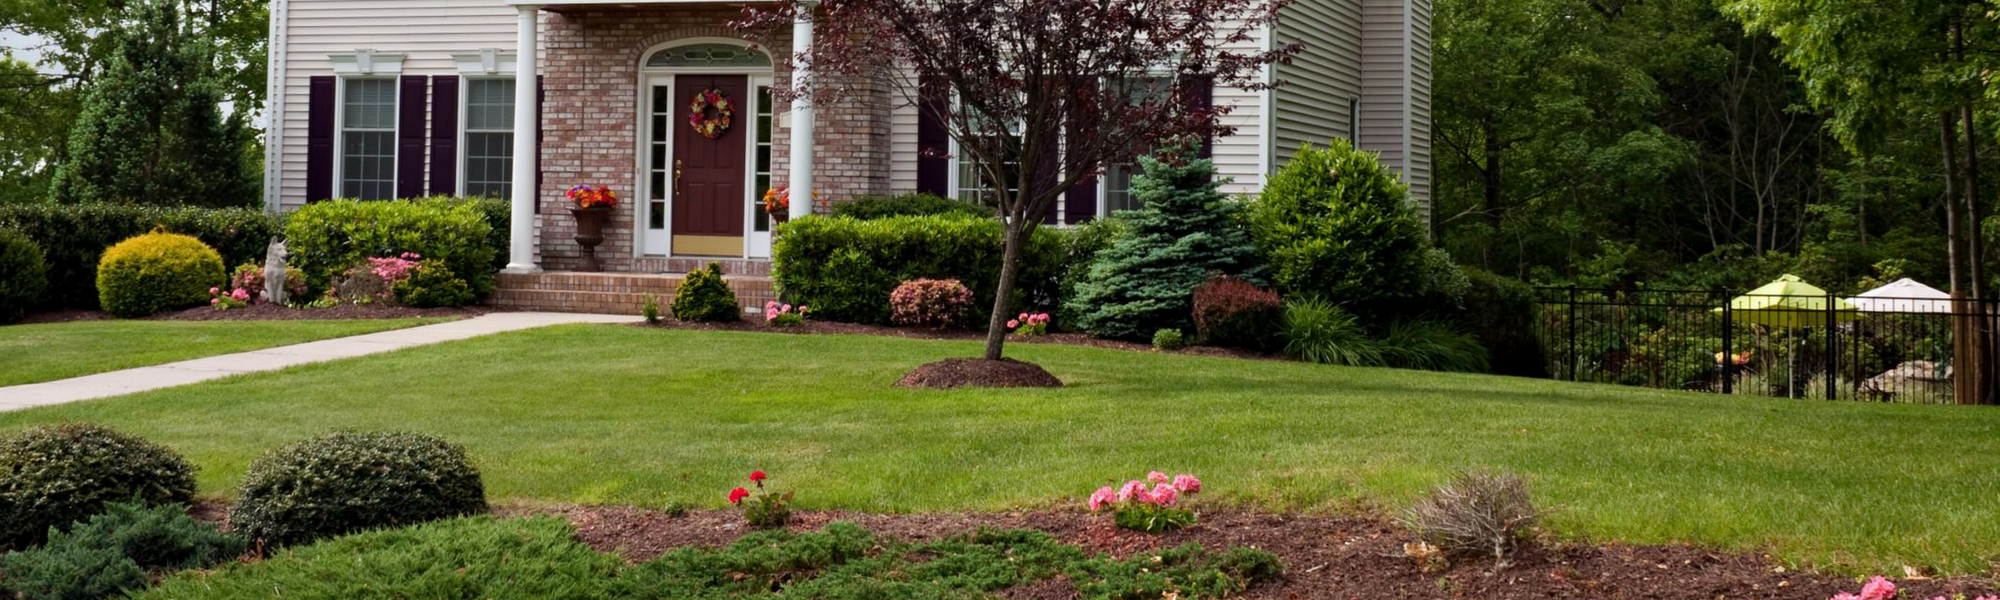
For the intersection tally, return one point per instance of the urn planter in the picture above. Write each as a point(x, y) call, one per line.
point(589, 233)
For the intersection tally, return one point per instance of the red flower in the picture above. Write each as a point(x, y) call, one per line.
point(757, 476)
point(737, 495)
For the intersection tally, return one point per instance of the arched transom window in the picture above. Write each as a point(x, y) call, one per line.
point(709, 55)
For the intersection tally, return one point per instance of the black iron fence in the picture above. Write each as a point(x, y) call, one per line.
point(1879, 349)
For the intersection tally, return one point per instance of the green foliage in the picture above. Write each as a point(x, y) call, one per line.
point(768, 510)
point(703, 296)
point(499, 214)
point(36, 111)
point(70, 572)
point(325, 238)
point(55, 475)
point(1169, 339)
point(24, 275)
point(1501, 313)
point(74, 237)
point(1185, 232)
point(1321, 332)
point(907, 205)
point(157, 272)
point(346, 482)
point(650, 308)
point(151, 128)
point(845, 269)
point(432, 285)
point(111, 553)
point(1082, 244)
point(1151, 518)
point(1432, 346)
point(472, 557)
point(1336, 224)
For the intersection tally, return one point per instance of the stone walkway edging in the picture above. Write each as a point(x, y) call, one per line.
point(140, 379)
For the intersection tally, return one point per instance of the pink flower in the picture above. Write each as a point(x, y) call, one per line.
point(1012, 324)
point(1163, 495)
point(240, 295)
point(1104, 495)
point(1187, 483)
point(770, 304)
point(1878, 589)
point(1132, 489)
point(1157, 477)
point(1844, 596)
point(214, 301)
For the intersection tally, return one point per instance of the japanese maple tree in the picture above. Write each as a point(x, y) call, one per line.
point(1037, 94)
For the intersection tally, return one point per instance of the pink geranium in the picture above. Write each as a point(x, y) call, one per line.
point(1158, 477)
point(1163, 495)
point(1878, 589)
point(1187, 483)
point(1132, 489)
point(1104, 495)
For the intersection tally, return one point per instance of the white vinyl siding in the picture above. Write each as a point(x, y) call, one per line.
point(1239, 157)
point(367, 159)
point(489, 137)
point(1395, 94)
point(1321, 86)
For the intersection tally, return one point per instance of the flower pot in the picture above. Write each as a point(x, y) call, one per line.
point(589, 233)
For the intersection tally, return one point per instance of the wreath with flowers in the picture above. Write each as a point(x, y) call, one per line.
point(710, 127)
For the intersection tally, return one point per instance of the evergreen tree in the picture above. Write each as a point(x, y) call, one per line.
point(1185, 231)
point(151, 130)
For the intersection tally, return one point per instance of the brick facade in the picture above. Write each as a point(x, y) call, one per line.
point(590, 127)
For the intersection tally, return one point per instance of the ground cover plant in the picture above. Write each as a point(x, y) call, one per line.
point(675, 416)
point(51, 351)
point(352, 481)
point(53, 475)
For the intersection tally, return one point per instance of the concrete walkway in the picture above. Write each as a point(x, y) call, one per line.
point(116, 383)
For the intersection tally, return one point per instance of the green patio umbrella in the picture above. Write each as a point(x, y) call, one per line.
point(1789, 303)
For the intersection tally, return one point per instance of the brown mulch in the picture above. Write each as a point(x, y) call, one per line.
point(979, 372)
point(273, 312)
point(1325, 556)
point(927, 333)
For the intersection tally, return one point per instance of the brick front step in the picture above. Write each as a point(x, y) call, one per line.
point(610, 293)
point(730, 266)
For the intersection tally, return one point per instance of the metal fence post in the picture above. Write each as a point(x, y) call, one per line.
point(1832, 352)
point(1728, 344)
point(1571, 360)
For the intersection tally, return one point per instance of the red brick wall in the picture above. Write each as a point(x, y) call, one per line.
point(590, 130)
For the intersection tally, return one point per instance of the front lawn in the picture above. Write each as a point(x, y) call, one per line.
point(51, 351)
point(626, 415)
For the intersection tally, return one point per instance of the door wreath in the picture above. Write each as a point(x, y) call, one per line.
point(710, 127)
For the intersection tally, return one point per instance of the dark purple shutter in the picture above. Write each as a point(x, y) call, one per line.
point(1198, 94)
point(1080, 202)
point(410, 113)
point(1048, 173)
point(933, 139)
point(541, 99)
point(444, 135)
point(320, 111)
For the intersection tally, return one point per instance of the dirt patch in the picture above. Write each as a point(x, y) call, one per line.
point(755, 324)
point(979, 372)
point(1347, 557)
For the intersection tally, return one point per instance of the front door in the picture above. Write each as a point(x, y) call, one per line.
point(708, 173)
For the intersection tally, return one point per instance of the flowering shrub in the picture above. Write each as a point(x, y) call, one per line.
point(777, 314)
point(1229, 311)
point(1029, 324)
point(395, 268)
point(936, 303)
point(762, 509)
point(588, 197)
point(221, 300)
point(1883, 589)
point(1136, 507)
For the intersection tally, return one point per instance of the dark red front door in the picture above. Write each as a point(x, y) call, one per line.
point(708, 192)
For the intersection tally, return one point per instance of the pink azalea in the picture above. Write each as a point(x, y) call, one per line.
point(1104, 495)
point(1164, 495)
point(1878, 589)
point(1132, 489)
point(1187, 483)
point(1844, 596)
point(240, 295)
point(214, 301)
point(1011, 324)
point(1157, 477)
point(214, 290)
point(770, 304)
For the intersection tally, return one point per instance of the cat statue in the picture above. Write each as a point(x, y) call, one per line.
point(274, 272)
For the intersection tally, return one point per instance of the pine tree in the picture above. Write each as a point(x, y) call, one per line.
point(151, 130)
point(1185, 232)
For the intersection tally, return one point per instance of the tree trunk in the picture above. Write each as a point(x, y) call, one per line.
point(1975, 252)
point(1003, 295)
point(1492, 180)
point(1948, 144)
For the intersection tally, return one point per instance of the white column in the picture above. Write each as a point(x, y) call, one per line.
point(521, 244)
point(800, 184)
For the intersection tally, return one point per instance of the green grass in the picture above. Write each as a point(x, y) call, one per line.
point(51, 351)
point(604, 414)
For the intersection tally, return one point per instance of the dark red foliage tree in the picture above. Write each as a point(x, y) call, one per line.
point(1038, 94)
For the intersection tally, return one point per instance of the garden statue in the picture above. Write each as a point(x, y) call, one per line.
point(274, 272)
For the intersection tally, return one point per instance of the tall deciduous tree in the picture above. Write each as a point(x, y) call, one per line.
point(1038, 94)
point(33, 112)
point(70, 36)
point(151, 130)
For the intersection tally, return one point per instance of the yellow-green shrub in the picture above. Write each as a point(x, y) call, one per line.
point(157, 272)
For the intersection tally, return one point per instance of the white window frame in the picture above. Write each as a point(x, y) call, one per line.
point(465, 131)
point(952, 178)
point(1104, 180)
point(340, 132)
point(483, 64)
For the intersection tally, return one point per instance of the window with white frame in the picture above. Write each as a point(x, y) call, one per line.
point(489, 137)
point(763, 150)
point(970, 182)
point(1116, 184)
point(368, 139)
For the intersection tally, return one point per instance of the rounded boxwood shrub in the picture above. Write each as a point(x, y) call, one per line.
point(351, 481)
point(24, 275)
point(54, 475)
point(1336, 224)
point(157, 272)
point(433, 285)
point(703, 296)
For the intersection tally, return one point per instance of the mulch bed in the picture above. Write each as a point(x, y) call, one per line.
point(979, 372)
point(272, 312)
point(925, 333)
point(1344, 557)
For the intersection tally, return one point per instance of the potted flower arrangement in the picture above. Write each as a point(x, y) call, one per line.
point(592, 209)
point(778, 203)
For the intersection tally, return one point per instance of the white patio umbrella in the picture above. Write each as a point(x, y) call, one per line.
point(1903, 296)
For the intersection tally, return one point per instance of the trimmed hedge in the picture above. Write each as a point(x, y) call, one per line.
point(156, 273)
point(869, 208)
point(74, 237)
point(54, 475)
point(24, 275)
point(846, 268)
point(347, 482)
point(325, 238)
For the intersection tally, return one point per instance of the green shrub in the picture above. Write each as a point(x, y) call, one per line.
point(347, 482)
point(938, 303)
point(1168, 340)
point(1336, 224)
point(24, 275)
point(845, 269)
point(54, 475)
point(1501, 312)
point(649, 308)
point(157, 272)
point(1151, 518)
point(110, 554)
point(1081, 245)
point(1432, 346)
point(432, 285)
point(704, 296)
point(907, 205)
point(499, 215)
point(1320, 331)
point(1186, 232)
point(70, 572)
point(73, 237)
point(473, 557)
point(326, 238)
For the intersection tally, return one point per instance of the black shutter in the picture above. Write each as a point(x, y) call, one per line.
point(444, 135)
point(1080, 201)
point(320, 111)
point(1198, 94)
point(1048, 172)
point(410, 113)
point(933, 139)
